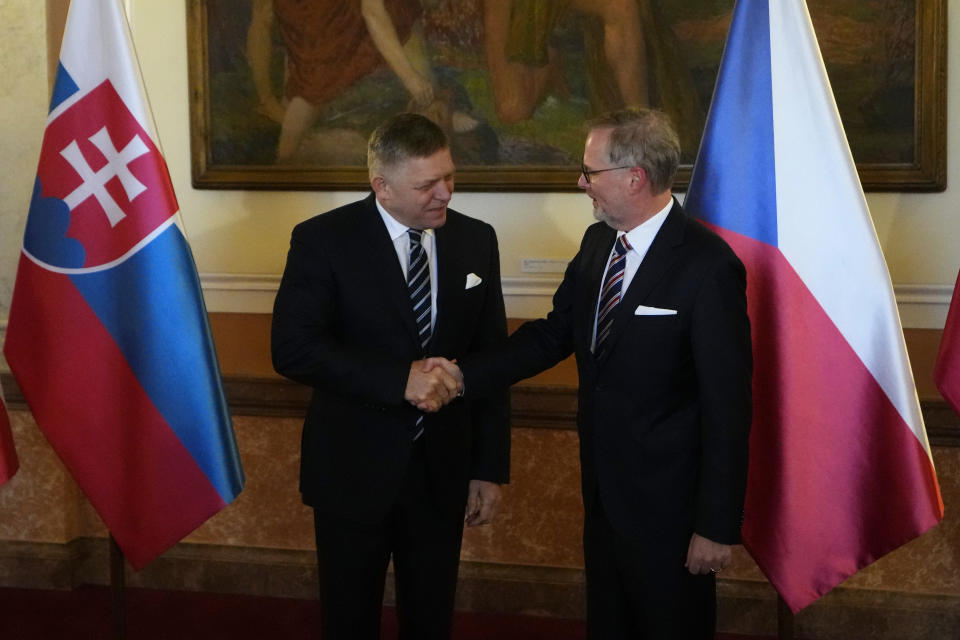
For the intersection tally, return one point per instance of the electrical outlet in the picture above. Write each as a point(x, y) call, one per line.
point(542, 265)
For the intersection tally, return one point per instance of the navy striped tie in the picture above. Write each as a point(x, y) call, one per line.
point(610, 294)
point(418, 283)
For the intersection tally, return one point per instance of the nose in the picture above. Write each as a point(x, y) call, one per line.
point(582, 182)
point(443, 190)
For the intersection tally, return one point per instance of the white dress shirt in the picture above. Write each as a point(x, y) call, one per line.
point(401, 243)
point(640, 239)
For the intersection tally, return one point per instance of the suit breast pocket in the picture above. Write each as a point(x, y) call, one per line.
point(657, 340)
point(463, 310)
point(654, 323)
point(471, 300)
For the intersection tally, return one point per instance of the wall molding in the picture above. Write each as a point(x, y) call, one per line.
point(242, 293)
point(744, 606)
point(922, 306)
point(532, 405)
point(239, 293)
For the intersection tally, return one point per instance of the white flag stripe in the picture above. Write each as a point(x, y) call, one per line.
point(820, 204)
point(103, 21)
point(114, 58)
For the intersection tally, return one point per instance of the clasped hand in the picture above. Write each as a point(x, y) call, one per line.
point(433, 383)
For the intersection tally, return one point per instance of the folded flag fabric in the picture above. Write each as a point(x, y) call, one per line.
point(840, 466)
point(946, 374)
point(108, 335)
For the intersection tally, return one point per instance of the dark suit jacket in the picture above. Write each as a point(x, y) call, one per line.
point(343, 324)
point(664, 415)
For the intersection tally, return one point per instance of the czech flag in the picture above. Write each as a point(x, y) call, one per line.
point(840, 466)
point(108, 336)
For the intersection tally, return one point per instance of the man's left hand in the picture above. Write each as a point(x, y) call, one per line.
point(706, 556)
point(483, 499)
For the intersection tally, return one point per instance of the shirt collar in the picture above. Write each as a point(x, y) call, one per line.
point(642, 234)
point(394, 227)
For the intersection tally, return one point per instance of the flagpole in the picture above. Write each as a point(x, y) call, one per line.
point(784, 620)
point(117, 595)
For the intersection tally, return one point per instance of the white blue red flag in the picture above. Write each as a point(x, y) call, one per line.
point(108, 336)
point(8, 454)
point(840, 466)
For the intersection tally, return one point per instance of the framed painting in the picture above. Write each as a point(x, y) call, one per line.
point(284, 93)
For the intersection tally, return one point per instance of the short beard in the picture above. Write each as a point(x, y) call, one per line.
point(602, 216)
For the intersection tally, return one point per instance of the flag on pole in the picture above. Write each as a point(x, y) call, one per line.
point(840, 466)
point(8, 454)
point(108, 336)
point(946, 374)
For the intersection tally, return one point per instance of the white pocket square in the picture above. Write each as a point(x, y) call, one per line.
point(653, 311)
point(473, 280)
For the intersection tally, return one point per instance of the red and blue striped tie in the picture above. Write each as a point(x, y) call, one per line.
point(610, 294)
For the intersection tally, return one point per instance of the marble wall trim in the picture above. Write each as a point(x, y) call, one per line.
point(942, 422)
point(920, 305)
point(745, 606)
point(43, 565)
point(537, 406)
point(843, 614)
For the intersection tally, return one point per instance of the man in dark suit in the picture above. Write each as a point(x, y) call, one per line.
point(369, 291)
point(654, 306)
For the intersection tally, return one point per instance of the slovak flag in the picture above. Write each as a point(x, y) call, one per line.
point(108, 336)
point(840, 466)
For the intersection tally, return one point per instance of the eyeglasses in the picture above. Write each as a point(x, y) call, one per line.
point(587, 173)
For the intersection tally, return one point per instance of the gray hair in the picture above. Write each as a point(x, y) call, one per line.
point(404, 136)
point(643, 138)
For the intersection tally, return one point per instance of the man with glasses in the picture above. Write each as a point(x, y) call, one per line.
point(654, 306)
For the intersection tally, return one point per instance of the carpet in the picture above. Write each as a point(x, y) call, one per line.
point(84, 613)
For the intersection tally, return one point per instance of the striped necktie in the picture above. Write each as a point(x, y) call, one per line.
point(610, 294)
point(418, 284)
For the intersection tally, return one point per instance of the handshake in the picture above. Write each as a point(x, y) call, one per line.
point(433, 383)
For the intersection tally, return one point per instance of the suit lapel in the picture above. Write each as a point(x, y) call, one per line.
point(450, 282)
point(385, 268)
point(595, 258)
point(660, 256)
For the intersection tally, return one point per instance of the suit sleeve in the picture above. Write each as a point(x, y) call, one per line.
point(534, 347)
point(304, 346)
point(724, 365)
point(490, 415)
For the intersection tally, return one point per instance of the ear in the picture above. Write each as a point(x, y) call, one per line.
point(379, 186)
point(638, 179)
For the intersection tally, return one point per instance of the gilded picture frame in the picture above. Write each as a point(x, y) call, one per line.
point(516, 117)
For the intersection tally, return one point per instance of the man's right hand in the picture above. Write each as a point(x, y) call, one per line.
point(432, 383)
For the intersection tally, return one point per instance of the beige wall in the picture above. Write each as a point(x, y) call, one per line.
point(23, 105)
point(245, 234)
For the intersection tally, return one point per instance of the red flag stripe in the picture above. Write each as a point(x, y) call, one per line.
point(843, 480)
point(134, 477)
point(946, 374)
